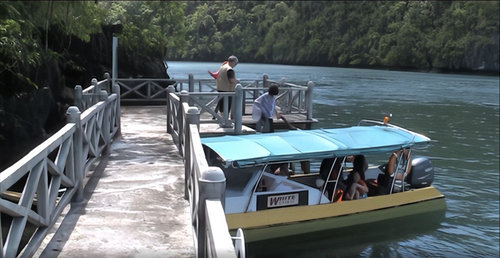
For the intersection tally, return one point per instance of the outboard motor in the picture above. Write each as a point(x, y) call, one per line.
point(422, 172)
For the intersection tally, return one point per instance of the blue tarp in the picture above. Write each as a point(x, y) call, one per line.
point(243, 150)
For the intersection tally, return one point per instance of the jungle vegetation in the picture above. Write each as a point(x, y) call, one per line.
point(55, 45)
point(425, 35)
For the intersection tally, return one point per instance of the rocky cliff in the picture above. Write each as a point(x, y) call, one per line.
point(29, 117)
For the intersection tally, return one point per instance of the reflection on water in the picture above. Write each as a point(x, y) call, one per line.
point(460, 113)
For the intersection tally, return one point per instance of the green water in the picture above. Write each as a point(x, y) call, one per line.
point(460, 113)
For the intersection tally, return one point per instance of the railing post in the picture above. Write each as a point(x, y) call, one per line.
point(116, 90)
point(309, 98)
point(73, 116)
point(184, 97)
point(114, 61)
point(191, 87)
point(148, 89)
point(212, 185)
point(191, 82)
point(103, 96)
point(93, 82)
point(265, 81)
point(170, 90)
point(78, 97)
point(238, 108)
point(107, 77)
point(192, 117)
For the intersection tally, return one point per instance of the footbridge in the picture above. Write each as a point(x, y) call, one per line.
point(122, 179)
point(129, 180)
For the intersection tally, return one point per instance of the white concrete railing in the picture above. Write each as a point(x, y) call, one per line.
point(292, 99)
point(175, 117)
point(85, 98)
point(182, 122)
point(35, 190)
point(143, 90)
point(205, 190)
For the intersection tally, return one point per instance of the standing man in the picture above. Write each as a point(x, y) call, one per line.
point(226, 81)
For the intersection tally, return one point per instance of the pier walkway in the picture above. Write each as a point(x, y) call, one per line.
point(134, 200)
point(112, 182)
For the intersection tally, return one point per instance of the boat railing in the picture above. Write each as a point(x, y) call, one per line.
point(336, 180)
point(386, 123)
point(254, 189)
point(402, 166)
point(36, 189)
point(205, 189)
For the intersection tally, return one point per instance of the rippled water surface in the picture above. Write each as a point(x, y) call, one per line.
point(460, 113)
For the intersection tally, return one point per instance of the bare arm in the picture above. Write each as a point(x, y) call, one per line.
point(231, 76)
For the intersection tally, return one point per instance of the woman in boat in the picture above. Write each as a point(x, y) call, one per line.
point(357, 188)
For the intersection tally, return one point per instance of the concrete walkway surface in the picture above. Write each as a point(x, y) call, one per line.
point(134, 200)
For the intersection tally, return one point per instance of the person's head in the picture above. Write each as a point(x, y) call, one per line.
point(232, 61)
point(273, 90)
point(360, 165)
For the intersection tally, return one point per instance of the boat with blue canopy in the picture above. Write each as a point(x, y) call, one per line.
point(301, 181)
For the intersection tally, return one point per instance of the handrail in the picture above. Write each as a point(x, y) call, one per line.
point(293, 99)
point(204, 188)
point(219, 242)
point(184, 110)
point(52, 175)
point(336, 180)
point(85, 98)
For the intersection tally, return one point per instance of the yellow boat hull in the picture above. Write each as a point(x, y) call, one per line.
point(282, 222)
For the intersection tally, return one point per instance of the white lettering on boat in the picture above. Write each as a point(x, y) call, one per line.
point(282, 200)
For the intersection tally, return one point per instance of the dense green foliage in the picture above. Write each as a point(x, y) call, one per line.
point(58, 44)
point(33, 32)
point(409, 34)
point(149, 27)
point(406, 34)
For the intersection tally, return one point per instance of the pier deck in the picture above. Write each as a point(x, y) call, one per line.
point(291, 121)
point(134, 200)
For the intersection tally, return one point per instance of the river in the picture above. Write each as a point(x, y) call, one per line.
point(460, 113)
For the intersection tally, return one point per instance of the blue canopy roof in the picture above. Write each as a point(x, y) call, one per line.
point(253, 149)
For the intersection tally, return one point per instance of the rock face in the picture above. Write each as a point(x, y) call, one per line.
point(483, 58)
point(25, 121)
point(28, 118)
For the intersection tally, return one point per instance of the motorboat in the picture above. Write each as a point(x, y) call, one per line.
point(297, 182)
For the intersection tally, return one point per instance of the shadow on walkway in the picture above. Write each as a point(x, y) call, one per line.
point(134, 199)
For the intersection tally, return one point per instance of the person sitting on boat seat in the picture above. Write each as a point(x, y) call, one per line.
point(357, 188)
point(384, 181)
point(324, 170)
